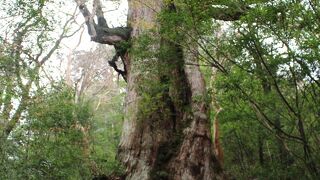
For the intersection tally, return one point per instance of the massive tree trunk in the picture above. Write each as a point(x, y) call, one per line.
point(171, 140)
point(166, 132)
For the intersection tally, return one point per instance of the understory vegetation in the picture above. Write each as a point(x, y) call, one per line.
point(262, 73)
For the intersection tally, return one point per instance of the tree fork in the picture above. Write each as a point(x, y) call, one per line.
point(101, 33)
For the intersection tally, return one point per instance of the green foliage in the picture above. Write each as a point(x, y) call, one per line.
point(61, 139)
point(267, 84)
point(105, 135)
point(44, 132)
point(49, 144)
point(142, 47)
point(266, 90)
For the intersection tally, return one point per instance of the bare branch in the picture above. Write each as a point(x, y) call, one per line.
point(231, 11)
point(100, 32)
point(113, 64)
point(99, 13)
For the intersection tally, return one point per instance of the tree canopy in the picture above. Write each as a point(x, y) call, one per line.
point(188, 89)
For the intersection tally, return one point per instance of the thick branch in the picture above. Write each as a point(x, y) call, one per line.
point(228, 14)
point(232, 11)
point(111, 36)
point(113, 64)
point(89, 20)
point(99, 13)
point(100, 32)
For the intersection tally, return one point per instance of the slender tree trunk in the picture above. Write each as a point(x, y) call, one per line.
point(217, 147)
point(284, 154)
point(216, 139)
point(260, 149)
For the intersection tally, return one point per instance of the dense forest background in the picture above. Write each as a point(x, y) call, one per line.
point(62, 107)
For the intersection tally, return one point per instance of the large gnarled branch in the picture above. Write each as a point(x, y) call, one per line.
point(228, 14)
point(231, 11)
point(103, 34)
point(100, 32)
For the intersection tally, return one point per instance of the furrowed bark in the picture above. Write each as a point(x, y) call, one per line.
point(195, 159)
point(140, 141)
point(172, 139)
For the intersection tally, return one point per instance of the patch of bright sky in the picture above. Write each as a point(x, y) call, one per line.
point(115, 14)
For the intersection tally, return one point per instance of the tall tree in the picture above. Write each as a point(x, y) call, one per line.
point(166, 133)
point(274, 66)
point(23, 57)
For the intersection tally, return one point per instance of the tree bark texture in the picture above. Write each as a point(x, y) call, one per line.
point(166, 131)
point(172, 140)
